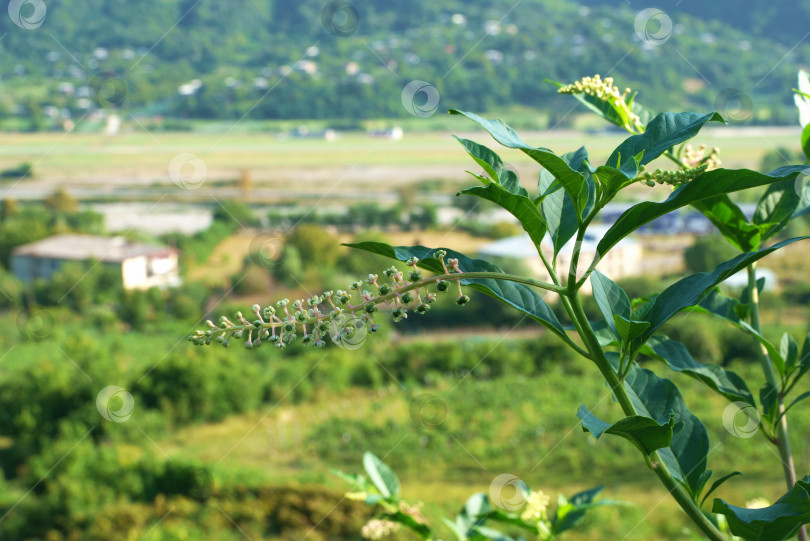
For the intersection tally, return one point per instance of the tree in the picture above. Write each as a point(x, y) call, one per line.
point(61, 201)
point(315, 245)
point(8, 208)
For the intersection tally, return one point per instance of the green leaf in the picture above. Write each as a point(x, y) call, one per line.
point(383, 477)
point(519, 206)
point(493, 165)
point(610, 298)
point(803, 396)
point(769, 398)
point(569, 513)
point(629, 329)
point(776, 207)
point(572, 181)
point(614, 180)
point(656, 397)
point(705, 186)
point(558, 211)
point(789, 350)
point(717, 484)
point(806, 141)
point(778, 522)
point(691, 290)
point(662, 133)
point(646, 434)
point(675, 354)
point(730, 220)
point(522, 298)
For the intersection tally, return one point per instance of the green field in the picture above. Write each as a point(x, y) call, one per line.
point(355, 163)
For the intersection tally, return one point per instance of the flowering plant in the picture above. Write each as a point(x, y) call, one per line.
point(672, 442)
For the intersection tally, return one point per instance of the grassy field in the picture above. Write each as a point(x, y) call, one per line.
point(355, 163)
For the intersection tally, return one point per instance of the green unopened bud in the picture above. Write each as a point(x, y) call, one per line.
point(407, 298)
point(442, 285)
point(462, 300)
point(385, 289)
point(248, 344)
point(415, 275)
point(258, 323)
point(422, 308)
point(398, 314)
point(370, 308)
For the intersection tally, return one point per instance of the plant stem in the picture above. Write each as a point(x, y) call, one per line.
point(782, 435)
point(654, 460)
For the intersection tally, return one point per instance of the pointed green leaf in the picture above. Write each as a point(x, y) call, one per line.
point(657, 397)
point(646, 434)
point(691, 290)
point(705, 186)
point(383, 477)
point(717, 485)
point(558, 211)
point(806, 141)
point(730, 220)
point(572, 181)
point(778, 522)
point(521, 297)
point(610, 298)
point(494, 167)
point(723, 381)
point(519, 206)
point(629, 329)
point(662, 133)
point(776, 207)
point(789, 350)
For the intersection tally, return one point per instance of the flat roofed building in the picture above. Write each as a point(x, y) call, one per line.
point(142, 265)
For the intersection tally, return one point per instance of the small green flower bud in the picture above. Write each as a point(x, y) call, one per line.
point(370, 307)
point(258, 323)
point(422, 308)
point(385, 289)
point(257, 343)
point(220, 339)
point(390, 272)
point(415, 275)
point(440, 254)
point(268, 311)
point(399, 314)
point(273, 338)
point(237, 335)
point(357, 285)
point(323, 327)
point(289, 327)
point(248, 344)
point(442, 285)
point(407, 298)
point(462, 300)
point(412, 261)
point(256, 308)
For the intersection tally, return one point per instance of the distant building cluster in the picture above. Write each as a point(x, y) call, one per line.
point(142, 265)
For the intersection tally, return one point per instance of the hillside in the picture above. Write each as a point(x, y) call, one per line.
point(275, 59)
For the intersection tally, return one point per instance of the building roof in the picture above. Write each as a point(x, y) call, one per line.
point(521, 246)
point(81, 247)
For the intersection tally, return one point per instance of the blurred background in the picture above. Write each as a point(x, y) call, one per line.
point(163, 162)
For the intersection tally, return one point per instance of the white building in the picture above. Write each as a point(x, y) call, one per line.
point(622, 261)
point(142, 265)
